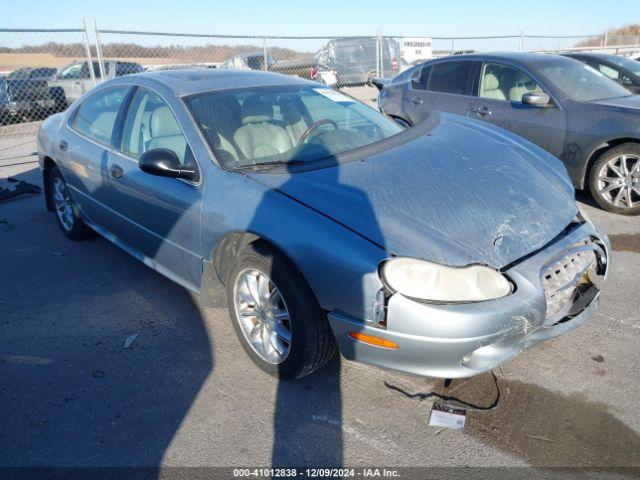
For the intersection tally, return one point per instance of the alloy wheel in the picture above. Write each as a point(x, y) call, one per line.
point(619, 181)
point(63, 204)
point(263, 315)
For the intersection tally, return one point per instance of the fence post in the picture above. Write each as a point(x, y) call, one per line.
point(96, 34)
point(521, 40)
point(604, 43)
point(264, 53)
point(87, 51)
point(378, 52)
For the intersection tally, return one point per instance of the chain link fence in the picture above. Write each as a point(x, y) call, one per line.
point(43, 71)
point(29, 63)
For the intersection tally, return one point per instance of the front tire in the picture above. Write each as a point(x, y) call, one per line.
point(276, 316)
point(66, 211)
point(614, 180)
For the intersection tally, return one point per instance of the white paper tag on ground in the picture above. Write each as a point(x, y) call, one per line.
point(448, 417)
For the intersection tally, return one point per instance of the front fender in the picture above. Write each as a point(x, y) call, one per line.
point(339, 265)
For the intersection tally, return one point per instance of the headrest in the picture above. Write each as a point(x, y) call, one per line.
point(490, 82)
point(163, 123)
point(522, 81)
point(255, 110)
point(218, 111)
point(290, 112)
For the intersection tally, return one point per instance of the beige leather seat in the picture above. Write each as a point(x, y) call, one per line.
point(521, 85)
point(491, 88)
point(103, 124)
point(257, 137)
point(165, 132)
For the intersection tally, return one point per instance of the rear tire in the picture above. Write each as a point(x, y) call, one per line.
point(65, 209)
point(614, 180)
point(311, 343)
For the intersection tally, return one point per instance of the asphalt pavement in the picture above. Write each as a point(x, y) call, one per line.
point(104, 362)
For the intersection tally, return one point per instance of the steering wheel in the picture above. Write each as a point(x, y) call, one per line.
point(313, 126)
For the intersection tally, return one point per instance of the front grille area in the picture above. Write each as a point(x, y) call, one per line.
point(569, 278)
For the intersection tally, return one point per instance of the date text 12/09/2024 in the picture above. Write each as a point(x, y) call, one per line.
point(362, 472)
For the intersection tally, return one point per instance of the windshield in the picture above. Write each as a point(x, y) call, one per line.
point(631, 65)
point(259, 127)
point(581, 82)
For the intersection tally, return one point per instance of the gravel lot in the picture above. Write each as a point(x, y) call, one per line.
point(185, 394)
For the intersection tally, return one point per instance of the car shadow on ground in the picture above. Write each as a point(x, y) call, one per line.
point(583, 196)
point(547, 428)
point(313, 436)
point(76, 396)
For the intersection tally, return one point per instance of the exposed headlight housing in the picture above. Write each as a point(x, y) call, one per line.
point(432, 282)
point(583, 217)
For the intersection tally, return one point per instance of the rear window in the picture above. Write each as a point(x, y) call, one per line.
point(450, 77)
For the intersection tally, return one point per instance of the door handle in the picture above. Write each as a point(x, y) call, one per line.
point(115, 171)
point(64, 145)
point(482, 111)
point(415, 100)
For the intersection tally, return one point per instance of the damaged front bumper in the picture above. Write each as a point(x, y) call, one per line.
point(556, 291)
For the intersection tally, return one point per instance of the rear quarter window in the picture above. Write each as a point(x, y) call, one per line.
point(450, 77)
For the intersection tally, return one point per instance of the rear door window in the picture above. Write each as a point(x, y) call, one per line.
point(96, 117)
point(450, 77)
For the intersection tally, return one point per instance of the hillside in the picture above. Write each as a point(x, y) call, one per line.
point(203, 53)
point(627, 35)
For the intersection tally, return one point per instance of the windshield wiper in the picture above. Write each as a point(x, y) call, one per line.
point(272, 163)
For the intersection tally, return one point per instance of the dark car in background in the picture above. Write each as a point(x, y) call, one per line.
point(621, 70)
point(25, 93)
point(582, 117)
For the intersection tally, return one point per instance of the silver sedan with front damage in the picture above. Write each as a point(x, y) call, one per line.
point(442, 250)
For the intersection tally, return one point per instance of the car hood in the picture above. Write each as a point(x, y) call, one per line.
point(630, 102)
point(458, 194)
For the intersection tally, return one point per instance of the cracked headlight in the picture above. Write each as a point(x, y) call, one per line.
point(438, 283)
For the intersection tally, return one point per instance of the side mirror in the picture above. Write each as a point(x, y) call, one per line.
point(626, 81)
point(380, 83)
point(536, 99)
point(165, 163)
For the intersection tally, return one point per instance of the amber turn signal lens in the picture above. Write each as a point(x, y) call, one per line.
point(375, 341)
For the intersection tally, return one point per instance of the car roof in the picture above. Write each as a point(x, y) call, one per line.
point(603, 56)
point(196, 80)
point(519, 57)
